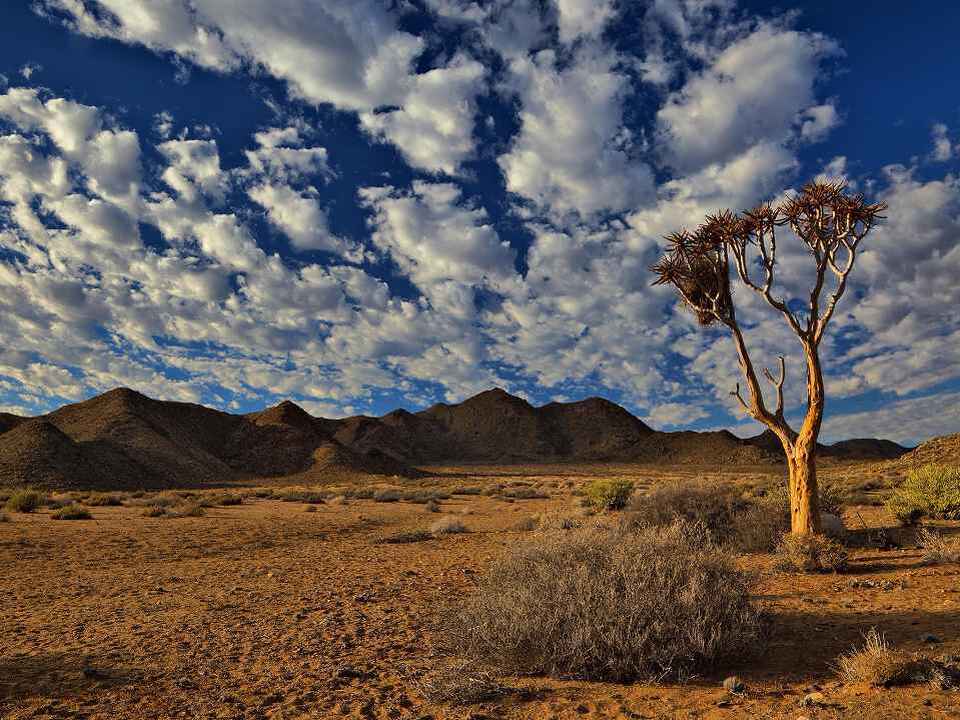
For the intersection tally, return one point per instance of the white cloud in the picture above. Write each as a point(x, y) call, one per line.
point(583, 17)
point(750, 94)
point(907, 421)
point(816, 122)
point(434, 126)
point(571, 154)
point(300, 217)
point(943, 149)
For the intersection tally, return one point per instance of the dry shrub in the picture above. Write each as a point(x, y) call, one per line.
point(609, 605)
point(448, 526)
point(609, 493)
point(760, 527)
point(713, 505)
point(406, 536)
point(459, 682)
point(189, 510)
point(73, 511)
point(153, 511)
point(466, 490)
point(100, 499)
point(432, 506)
point(523, 493)
point(880, 665)
point(4, 518)
point(555, 521)
point(526, 524)
point(387, 495)
point(928, 491)
point(938, 549)
point(228, 499)
point(26, 501)
point(810, 553)
point(300, 495)
point(164, 500)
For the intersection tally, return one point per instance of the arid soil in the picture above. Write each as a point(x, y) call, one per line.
point(266, 610)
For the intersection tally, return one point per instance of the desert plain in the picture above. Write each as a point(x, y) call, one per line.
point(281, 608)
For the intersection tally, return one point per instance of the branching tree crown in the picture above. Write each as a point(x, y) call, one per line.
point(831, 223)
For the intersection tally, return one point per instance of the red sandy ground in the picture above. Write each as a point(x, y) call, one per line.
point(266, 611)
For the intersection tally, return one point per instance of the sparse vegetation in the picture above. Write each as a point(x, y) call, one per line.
point(937, 548)
point(609, 493)
point(387, 495)
point(448, 525)
point(931, 491)
point(153, 511)
point(406, 536)
point(300, 495)
point(811, 553)
point(4, 518)
point(74, 511)
point(25, 501)
point(460, 682)
point(712, 504)
point(880, 665)
point(99, 499)
point(609, 605)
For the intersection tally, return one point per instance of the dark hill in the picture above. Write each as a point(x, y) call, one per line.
point(124, 439)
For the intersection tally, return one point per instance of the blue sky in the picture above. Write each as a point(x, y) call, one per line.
point(363, 204)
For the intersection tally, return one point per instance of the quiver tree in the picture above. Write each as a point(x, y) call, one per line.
point(703, 264)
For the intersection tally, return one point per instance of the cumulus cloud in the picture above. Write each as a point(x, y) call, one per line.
point(943, 149)
point(572, 151)
point(751, 93)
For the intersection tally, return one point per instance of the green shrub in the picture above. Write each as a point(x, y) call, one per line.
point(609, 493)
point(26, 501)
point(72, 512)
point(608, 605)
point(929, 491)
point(811, 553)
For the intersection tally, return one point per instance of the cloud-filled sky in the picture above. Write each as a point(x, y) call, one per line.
point(361, 204)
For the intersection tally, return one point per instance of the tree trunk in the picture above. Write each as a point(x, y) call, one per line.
point(804, 500)
point(804, 505)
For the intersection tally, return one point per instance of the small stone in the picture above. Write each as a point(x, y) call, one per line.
point(734, 684)
point(813, 699)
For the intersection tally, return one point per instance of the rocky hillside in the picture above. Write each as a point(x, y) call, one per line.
point(124, 439)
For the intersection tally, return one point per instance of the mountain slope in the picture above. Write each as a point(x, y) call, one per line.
point(125, 439)
point(944, 450)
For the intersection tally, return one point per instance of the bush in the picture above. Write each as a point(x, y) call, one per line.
point(880, 665)
point(386, 496)
point(154, 511)
point(25, 501)
point(4, 517)
point(300, 495)
point(929, 491)
point(104, 500)
point(459, 683)
point(938, 549)
point(609, 494)
point(74, 511)
point(713, 505)
point(406, 536)
point(448, 526)
point(189, 510)
point(432, 506)
point(160, 501)
point(608, 605)
point(811, 553)
point(466, 490)
point(760, 527)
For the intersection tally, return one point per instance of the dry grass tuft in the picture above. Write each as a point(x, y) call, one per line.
point(26, 501)
point(459, 682)
point(406, 536)
point(99, 499)
point(609, 605)
point(938, 549)
point(811, 553)
point(711, 504)
point(448, 526)
point(880, 665)
point(73, 511)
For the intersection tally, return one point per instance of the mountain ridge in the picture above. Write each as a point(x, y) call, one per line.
point(124, 438)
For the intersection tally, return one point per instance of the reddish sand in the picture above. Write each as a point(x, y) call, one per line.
point(265, 610)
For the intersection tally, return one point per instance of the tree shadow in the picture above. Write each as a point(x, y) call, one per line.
point(59, 674)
